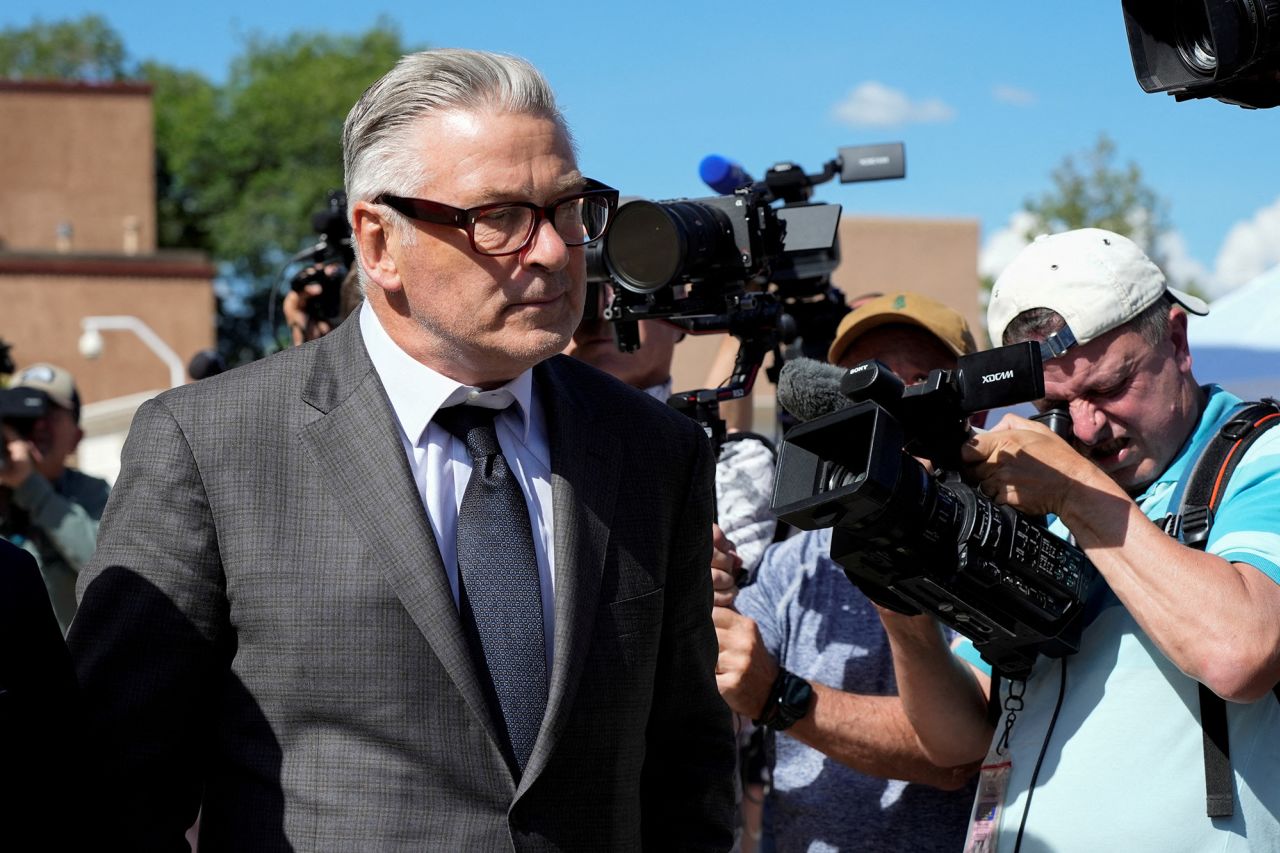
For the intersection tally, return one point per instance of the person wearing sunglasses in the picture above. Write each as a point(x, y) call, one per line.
point(410, 585)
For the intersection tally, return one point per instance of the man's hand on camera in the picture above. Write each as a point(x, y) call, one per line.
point(1023, 464)
point(726, 566)
point(745, 671)
point(21, 459)
point(302, 326)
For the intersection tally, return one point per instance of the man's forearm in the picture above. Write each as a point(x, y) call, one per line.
point(872, 735)
point(944, 698)
point(1215, 620)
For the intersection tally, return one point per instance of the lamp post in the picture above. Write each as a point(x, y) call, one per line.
point(91, 342)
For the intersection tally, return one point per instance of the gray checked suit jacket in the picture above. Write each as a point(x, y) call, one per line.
point(267, 631)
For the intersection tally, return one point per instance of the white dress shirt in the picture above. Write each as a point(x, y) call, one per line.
point(440, 463)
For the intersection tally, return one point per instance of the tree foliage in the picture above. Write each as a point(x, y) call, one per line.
point(240, 166)
point(248, 168)
point(83, 49)
point(1091, 191)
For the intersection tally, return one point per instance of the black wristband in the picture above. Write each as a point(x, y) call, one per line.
point(788, 701)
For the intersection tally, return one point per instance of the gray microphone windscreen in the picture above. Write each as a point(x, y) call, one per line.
point(810, 389)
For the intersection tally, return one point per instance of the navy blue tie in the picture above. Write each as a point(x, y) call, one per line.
point(499, 591)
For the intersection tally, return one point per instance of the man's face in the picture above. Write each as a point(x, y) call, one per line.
point(594, 343)
point(1132, 405)
point(480, 319)
point(908, 351)
point(55, 436)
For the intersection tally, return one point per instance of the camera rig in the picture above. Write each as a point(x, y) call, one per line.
point(1224, 49)
point(919, 541)
point(329, 260)
point(755, 263)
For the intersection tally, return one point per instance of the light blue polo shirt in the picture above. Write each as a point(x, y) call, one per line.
point(1124, 768)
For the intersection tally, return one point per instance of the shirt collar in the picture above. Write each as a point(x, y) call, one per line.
point(417, 392)
point(660, 392)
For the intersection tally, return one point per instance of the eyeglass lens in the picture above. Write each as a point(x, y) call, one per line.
point(578, 220)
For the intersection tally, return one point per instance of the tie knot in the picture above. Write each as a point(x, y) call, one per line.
point(473, 426)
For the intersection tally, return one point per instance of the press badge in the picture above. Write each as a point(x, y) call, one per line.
point(993, 783)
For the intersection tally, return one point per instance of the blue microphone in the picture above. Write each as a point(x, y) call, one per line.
point(723, 175)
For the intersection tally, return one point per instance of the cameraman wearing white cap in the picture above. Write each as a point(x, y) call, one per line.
point(47, 508)
point(1108, 747)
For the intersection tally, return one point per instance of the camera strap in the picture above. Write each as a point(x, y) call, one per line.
point(1200, 495)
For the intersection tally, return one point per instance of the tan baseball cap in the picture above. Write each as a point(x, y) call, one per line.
point(55, 382)
point(942, 322)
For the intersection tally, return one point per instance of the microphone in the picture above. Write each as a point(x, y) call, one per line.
point(723, 175)
point(810, 389)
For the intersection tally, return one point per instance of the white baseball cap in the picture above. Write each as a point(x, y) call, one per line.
point(1097, 280)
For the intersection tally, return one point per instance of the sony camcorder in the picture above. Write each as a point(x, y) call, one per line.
point(1224, 49)
point(916, 540)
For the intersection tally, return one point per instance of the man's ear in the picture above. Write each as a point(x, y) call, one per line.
point(1178, 337)
point(373, 232)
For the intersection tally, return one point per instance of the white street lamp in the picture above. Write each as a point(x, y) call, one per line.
point(91, 343)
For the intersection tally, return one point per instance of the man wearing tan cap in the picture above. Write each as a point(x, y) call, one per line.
point(805, 652)
point(47, 508)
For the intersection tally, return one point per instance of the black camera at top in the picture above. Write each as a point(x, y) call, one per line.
point(694, 261)
point(1224, 49)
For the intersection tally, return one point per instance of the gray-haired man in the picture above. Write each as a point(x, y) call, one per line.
point(304, 605)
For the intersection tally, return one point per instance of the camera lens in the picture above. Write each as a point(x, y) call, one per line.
point(1194, 38)
point(652, 244)
point(838, 476)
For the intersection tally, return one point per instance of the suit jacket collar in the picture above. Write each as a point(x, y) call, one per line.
point(584, 481)
point(354, 440)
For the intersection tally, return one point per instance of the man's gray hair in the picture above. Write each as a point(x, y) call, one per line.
point(377, 156)
point(1039, 323)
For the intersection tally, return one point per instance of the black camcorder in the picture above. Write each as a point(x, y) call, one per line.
point(919, 541)
point(329, 260)
point(755, 263)
point(20, 409)
point(1224, 49)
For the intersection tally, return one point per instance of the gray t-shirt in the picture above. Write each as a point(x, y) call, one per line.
point(817, 624)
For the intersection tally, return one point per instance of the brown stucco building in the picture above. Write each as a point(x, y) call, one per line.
point(78, 239)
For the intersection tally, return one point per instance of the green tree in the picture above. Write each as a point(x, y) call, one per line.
point(83, 49)
point(1091, 191)
point(240, 167)
point(251, 162)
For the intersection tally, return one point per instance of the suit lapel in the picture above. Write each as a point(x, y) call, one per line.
point(584, 480)
point(355, 444)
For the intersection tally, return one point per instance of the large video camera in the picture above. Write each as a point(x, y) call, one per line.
point(329, 260)
point(751, 262)
point(916, 541)
point(1224, 49)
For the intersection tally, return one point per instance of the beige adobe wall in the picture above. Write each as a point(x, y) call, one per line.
point(42, 313)
point(81, 154)
point(937, 257)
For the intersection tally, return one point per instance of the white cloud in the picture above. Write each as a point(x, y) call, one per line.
point(1251, 248)
point(1002, 246)
point(873, 104)
point(1013, 95)
point(1180, 268)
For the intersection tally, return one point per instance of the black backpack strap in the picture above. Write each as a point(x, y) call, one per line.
point(1202, 494)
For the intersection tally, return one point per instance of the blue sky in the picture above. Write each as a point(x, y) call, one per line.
point(988, 98)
